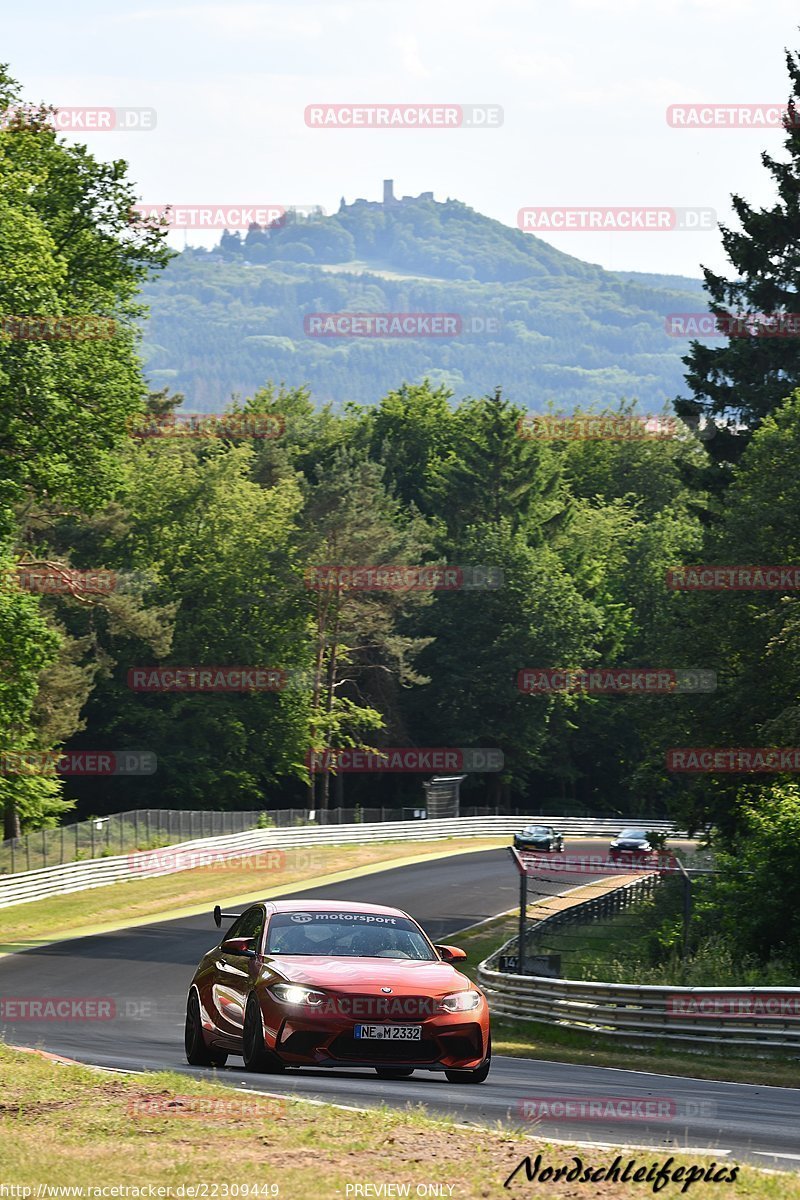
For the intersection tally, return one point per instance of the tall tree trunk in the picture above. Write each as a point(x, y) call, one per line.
point(333, 663)
point(319, 653)
point(11, 828)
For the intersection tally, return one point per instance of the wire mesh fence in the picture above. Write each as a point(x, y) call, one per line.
point(153, 828)
point(138, 829)
point(614, 920)
point(614, 915)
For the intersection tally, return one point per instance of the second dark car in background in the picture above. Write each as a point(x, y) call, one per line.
point(538, 837)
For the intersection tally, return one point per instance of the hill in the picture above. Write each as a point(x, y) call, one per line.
point(546, 326)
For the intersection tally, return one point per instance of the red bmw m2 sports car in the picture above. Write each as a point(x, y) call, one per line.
point(320, 983)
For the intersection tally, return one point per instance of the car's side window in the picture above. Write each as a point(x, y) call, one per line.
point(249, 924)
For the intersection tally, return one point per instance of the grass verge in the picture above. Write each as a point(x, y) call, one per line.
point(68, 1126)
point(534, 1039)
point(121, 904)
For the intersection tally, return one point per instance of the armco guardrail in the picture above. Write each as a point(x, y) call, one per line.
point(91, 873)
point(118, 833)
point(736, 1016)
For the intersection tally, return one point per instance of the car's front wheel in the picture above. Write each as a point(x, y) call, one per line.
point(476, 1076)
point(394, 1072)
point(198, 1053)
point(254, 1052)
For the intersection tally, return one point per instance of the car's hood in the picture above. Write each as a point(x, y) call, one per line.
point(361, 975)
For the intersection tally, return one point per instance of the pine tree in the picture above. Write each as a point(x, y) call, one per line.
point(737, 384)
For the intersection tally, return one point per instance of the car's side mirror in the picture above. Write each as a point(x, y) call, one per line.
point(239, 945)
point(452, 953)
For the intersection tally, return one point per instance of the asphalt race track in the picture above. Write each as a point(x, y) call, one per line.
point(146, 971)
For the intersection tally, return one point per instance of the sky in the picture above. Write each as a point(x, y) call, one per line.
point(584, 86)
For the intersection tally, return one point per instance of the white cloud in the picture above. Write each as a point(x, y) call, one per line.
point(410, 57)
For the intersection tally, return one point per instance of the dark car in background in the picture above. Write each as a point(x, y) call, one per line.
point(538, 837)
point(631, 842)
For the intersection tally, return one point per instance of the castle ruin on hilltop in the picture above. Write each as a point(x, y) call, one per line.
point(389, 199)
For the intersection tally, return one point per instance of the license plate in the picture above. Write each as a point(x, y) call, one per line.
point(390, 1033)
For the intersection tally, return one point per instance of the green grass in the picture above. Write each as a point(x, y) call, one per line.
point(135, 899)
point(70, 1126)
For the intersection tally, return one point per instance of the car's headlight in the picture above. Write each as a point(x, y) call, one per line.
point(646, 847)
point(460, 1001)
point(293, 993)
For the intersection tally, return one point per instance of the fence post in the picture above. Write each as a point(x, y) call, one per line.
point(523, 915)
point(136, 829)
point(62, 844)
point(44, 846)
point(687, 905)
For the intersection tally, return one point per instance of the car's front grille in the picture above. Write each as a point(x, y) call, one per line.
point(381, 1009)
point(367, 1049)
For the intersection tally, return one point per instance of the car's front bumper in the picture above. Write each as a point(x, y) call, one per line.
point(457, 1041)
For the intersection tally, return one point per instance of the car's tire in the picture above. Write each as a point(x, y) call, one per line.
point(394, 1072)
point(255, 1054)
point(198, 1053)
point(479, 1073)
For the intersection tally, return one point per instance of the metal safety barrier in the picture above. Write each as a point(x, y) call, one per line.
point(90, 873)
point(757, 1017)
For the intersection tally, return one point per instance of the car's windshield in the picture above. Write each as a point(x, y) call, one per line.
point(639, 834)
point(348, 935)
point(539, 829)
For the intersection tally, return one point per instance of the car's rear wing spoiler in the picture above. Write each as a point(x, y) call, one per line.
point(219, 914)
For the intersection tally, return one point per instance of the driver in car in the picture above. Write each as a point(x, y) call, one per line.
point(301, 939)
point(371, 942)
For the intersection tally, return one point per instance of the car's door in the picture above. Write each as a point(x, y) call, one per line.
point(235, 970)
